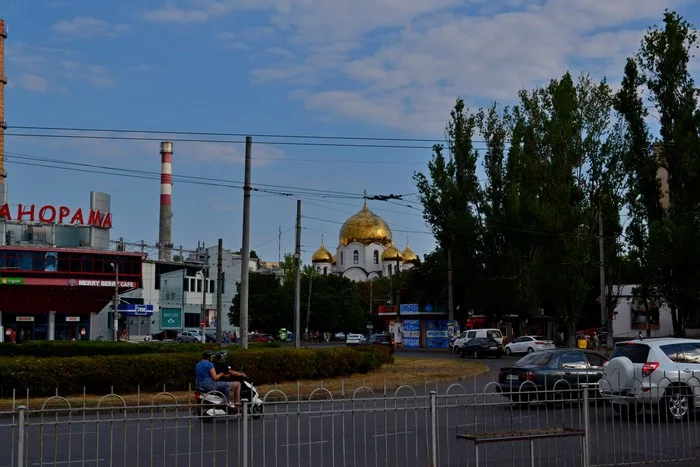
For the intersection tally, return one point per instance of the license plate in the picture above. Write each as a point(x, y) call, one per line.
point(512, 377)
point(493, 348)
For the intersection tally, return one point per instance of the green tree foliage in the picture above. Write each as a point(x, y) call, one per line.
point(270, 306)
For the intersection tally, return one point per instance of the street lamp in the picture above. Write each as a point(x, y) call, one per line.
point(115, 302)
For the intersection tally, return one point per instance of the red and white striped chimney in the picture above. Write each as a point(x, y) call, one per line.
point(166, 190)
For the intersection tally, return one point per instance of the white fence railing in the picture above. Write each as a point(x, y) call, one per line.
point(560, 424)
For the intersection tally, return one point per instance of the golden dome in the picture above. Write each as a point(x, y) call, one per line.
point(391, 254)
point(322, 255)
point(335, 260)
point(365, 227)
point(409, 256)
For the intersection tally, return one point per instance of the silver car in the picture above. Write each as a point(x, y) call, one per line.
point(189, 336)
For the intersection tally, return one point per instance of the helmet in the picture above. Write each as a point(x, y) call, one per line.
point(207, 354)
point(220, 355)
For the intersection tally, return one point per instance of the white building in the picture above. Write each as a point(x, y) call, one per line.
point(365, 250)
point(631, 317)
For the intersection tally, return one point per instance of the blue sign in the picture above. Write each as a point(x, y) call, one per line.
point(428, 308)
point(409, 308)
point(411, 334)
point(130, 309)
point(437, 335)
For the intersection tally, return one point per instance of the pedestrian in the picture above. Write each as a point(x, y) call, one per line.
point(595, 340)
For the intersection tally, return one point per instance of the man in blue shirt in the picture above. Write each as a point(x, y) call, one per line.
point(207, 379)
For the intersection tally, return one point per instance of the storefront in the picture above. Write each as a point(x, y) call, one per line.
point(418, 326)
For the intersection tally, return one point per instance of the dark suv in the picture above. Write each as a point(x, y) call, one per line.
point(381, 339)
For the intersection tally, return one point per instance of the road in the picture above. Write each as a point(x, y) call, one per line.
point(392, 431)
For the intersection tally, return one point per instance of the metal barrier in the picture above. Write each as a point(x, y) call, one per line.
point(421, 426)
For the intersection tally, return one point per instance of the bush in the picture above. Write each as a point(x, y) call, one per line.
point(122, 374)
point(90, 348)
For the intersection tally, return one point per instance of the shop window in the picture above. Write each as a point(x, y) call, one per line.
point(641, 318)
point(192, 320)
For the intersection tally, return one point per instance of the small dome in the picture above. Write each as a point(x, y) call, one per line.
point(365, 227)
point(391, 254)
point(322, 255)
point(409, 257)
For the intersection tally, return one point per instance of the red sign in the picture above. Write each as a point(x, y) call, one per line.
point(202, 324)
point(56, 215)
point(387, 309)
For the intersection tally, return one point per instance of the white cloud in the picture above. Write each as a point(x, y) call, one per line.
point(32, 83)
point(402, 63)
point(85, 27)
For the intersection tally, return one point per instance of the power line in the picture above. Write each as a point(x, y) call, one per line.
point(239, 135)
point(276, 237)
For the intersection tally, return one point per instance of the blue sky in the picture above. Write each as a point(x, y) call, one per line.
point(369, 68)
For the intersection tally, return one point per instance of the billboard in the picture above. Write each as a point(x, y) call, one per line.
point(437, 334)
point(411, 334)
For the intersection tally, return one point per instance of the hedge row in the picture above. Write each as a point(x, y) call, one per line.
point(90, 348)
point(175, 371)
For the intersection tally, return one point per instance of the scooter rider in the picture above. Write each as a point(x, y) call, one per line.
point(229, 374)
point(208, 379)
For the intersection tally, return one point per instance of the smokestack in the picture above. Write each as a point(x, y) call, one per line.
point(3, 82)
point(166, 213)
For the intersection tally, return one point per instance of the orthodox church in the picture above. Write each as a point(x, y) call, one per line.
point(365, 250)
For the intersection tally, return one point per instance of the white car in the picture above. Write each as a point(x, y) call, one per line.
point(529, 344)
point(355, 339)
point(470, 334)
point(660, 374)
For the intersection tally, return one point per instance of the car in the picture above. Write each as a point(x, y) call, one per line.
point(548, 374)
point(260, 338)
point(482, 347)
point(661, 374)
point(165, 335)
point(466, 336)
point(189, 336)
point(381, 339)
point(529, 344)
point(355, 339)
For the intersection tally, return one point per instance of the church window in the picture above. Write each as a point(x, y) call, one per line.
point(318, 269)
point(355, 257)
point(389, 270)
point(376, 257)
point(325, 270)
point(341, 258)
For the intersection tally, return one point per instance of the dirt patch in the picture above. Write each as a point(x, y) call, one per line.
point(415, 372)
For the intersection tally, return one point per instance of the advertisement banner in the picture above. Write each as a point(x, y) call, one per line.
point(409, 308)
point(411, 334)
point(437, 337)
point(171, 318)
point(11, 280)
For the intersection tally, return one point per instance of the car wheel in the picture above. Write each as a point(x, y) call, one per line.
point(179, 340)
point(677, 404)
point(456, 349)
point(508, 351)
point(530, 350)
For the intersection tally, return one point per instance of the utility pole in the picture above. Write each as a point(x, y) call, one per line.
point(245, 250)
point(205, 274)
point(604, 321)
point(279, 246)
point(398, 288)
point(115, 303)
point(450, 299)
point(308, 306)
point(297, 284)
point(219, 283)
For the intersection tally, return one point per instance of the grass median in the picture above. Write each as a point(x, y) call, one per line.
point(415, 372)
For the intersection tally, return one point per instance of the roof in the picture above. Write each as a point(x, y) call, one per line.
point(70, 250)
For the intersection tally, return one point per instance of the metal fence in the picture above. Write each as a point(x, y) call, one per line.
point(432, 425)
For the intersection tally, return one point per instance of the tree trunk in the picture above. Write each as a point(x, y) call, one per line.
point(572, 334)
point(677, 320)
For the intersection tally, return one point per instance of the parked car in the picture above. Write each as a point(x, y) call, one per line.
point(660, 374)
point(355, 339)
point(189, 336)
point(466, 336)
point(260, 338)
point(482, 347)
point(165, 335)
point(381, 339)
point(529, 344)
point(550, 373)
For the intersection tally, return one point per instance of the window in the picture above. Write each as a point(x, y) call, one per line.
point(673, 352)
point(535, 359)
point(355, 257)
point(691, 353)
point(595, 360)
point(573, 360)
point(494, 334)
point(376, 257)
point(389, 269)
point(342, 260)
point(640, 317)
point(471, 334)
point(520, 340)
point(318, 269)
point(325, 270)
point(192, 320)
point(638, 353)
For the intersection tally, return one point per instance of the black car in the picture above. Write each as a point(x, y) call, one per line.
point(165, 335)
point(381, 339)
point(482, 347)
point(548, 374)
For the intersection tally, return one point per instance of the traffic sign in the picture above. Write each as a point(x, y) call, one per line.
point(202, 324)
point(370, 326)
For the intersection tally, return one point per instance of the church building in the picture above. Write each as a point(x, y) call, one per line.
point(365, 250)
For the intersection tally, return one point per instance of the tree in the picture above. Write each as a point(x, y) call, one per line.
point(269, 304)
point(673, 246)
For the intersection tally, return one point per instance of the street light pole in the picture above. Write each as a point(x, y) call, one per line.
point(115, 302)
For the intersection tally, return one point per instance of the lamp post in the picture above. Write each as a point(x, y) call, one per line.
point(115, 302)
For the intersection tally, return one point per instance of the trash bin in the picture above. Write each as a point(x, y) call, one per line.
point(582, 344)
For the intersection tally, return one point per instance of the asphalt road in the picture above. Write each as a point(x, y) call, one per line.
point(391, 431)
